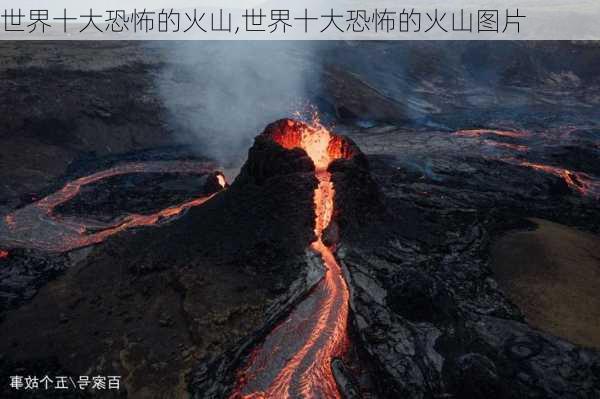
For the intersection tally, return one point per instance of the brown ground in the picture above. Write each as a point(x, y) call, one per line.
point(553, 275)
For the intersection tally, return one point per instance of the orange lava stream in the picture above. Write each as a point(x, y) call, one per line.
point(72, 188)
point(295, 359)
point(581, 182)
point(318, 378)
point(130, 221)
point(35, 226)
point(483, 132)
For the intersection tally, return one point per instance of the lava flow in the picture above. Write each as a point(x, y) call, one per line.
point(295, 359)
point(581, 182)
point(35, 225)
point(493, 132)
point(506, 146)
point(489, 136)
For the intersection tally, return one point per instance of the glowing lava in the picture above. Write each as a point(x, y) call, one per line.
point(294, 361)
point(221, 181)
point(581, 182)
point(35, 225)
point(486, 136)
point(3, 254)
point(485, 132)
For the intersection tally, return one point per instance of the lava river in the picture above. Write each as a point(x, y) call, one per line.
point(580, 182)
point(36, 226)
point(294, 361)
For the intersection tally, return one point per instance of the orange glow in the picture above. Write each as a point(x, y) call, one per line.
point(130, 222)
point(576, 180)
point(35, 226)
point(581, 182)
point(295, 359)
point(221, 180)
point(483, 132)
point(321, 146)
point(3, 254)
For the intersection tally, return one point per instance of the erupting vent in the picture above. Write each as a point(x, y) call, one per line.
point(320, 145)
point(221, 180)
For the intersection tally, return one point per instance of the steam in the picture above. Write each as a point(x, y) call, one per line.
point(219, 95)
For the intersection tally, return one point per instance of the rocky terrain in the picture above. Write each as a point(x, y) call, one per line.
point(427, 307)
point(155, 311)
point(467, 146)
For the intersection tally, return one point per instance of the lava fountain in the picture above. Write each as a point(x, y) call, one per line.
point(294, 361)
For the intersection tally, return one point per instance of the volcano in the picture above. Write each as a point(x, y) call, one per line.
point(223, 272)
point(316, 273)
point(295, 358)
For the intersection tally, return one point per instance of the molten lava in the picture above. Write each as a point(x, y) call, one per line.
point(486, 136)
point(221, 180)
point(35, 225)
point(486, 132)
point(295, 358)
point(581, 182)
point(3, 254)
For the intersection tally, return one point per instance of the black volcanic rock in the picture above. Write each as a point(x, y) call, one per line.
point(435, 324)
point(23, 272)
point(418, 297)
point(358, 200)
point(267, 163)
point(139, 193)
point(268, 160)
point(427, 317)
point(200, 287)
point(425, 307)
point(475, 376)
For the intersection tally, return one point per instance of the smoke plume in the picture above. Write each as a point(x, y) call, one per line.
point(219, 95)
